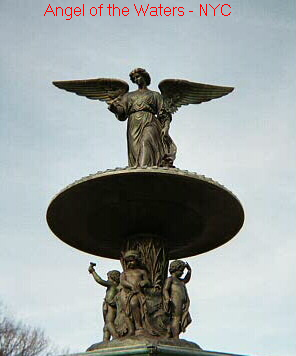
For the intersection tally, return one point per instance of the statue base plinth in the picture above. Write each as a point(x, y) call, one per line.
point(153, 349)
point(143, 341)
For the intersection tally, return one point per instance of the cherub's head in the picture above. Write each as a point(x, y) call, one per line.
point(132, 258)
point(114, 276)
point(139, 75)
point(177, 267)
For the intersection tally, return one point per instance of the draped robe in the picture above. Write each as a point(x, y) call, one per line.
point(146, 116)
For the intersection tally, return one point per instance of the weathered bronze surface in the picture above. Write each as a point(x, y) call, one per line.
point(141, 301)
point(149, 113)
point(140, 305)
point(159, 347)
point(144, 215)
point(109, 306)
point(151, 344)
point(175, 298)
point(191, 214)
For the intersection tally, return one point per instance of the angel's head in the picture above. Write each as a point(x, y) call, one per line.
point(138, 75)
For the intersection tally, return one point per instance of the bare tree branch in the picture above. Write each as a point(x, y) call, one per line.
point(18, 339)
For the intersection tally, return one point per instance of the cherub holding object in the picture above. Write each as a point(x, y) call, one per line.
point(176, 300)
point(109, 305)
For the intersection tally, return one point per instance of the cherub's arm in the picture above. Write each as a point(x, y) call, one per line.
point(98, 279)
point(124, 282)
point(145, 282)
point(188, 274)
point(166, 293)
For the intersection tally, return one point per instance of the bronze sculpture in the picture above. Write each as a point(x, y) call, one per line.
point(133, 307)
point(109, 305)
point(126, 310)
point(133, 282)
point(176, 300)
point(146, 214)
point(149, 113)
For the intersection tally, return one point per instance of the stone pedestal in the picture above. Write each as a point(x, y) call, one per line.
point(162, 350)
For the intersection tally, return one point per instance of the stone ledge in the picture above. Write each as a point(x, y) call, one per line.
point(151, 349)
point(120, 170)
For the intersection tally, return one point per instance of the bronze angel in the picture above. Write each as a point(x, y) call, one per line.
point(149, 113)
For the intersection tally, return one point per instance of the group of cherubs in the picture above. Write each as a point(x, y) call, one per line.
point(125, 307)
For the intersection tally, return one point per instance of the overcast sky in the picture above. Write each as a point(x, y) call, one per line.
point(243, 293)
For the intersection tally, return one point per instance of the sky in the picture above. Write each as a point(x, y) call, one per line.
point(243, 294)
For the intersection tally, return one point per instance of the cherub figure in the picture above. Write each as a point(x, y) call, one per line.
point(132, 299)
point(176, 300)
point(109, 305)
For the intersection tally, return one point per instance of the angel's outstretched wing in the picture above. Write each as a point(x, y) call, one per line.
point(104, 89)
point(178, 92)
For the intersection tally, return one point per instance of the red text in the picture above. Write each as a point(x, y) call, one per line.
point(160, 10)
point(69, 11)
point(205, 10)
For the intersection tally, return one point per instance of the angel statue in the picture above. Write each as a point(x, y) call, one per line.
point(149, 113)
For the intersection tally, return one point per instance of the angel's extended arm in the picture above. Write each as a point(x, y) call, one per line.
point(119, 108)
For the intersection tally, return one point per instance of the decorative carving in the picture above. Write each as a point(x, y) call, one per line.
point(153, 257)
